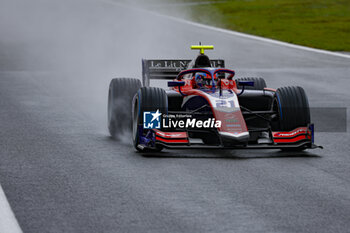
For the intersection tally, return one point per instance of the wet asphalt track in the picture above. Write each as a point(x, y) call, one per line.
point(62, 173)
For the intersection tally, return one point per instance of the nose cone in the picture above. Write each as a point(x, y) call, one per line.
point(232, 139)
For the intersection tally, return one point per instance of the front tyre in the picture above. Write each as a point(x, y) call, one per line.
point(147, 99)
point(292, 107)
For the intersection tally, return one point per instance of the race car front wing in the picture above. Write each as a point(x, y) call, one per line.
point(302, 137)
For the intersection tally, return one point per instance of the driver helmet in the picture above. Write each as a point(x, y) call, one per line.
point(204, 80)
point(199, 78)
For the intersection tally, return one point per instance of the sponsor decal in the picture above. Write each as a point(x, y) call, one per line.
point(151, 120)
point(171, 134)
point(232, 120)
point(178, 65)
point(192, 123)
point(290, 134)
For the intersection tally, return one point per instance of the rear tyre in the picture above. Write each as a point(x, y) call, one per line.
point(120, 95)
point(147, 99)
point(292, 107)
point(259, 83)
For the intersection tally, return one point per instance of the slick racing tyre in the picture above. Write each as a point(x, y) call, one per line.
point(259, 83)
point(120, 95)
point(147, 99)
point(292, 107)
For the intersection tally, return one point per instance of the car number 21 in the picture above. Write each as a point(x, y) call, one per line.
point(224, 103)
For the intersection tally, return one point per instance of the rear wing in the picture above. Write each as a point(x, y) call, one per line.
point(168, 69)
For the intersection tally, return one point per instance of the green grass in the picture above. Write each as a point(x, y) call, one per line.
point(323, 24)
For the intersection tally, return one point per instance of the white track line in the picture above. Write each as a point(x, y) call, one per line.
point(8, 221)
point(240, 34)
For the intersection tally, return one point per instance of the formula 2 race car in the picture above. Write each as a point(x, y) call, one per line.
point(205, 107)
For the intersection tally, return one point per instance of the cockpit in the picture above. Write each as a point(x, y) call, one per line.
point(206, 78)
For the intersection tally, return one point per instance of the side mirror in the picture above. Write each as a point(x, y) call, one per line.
point(176, 84)
point(246, 83)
